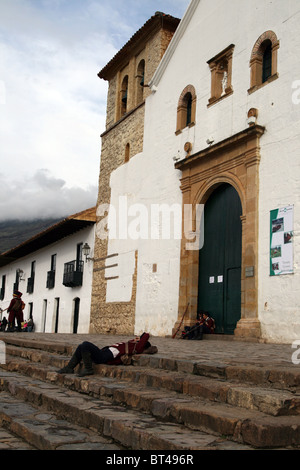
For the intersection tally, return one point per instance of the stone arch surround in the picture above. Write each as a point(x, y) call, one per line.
point(256, 60)
point(181, 108)
point(267, 35)
point(235, 161)
point(210, 185)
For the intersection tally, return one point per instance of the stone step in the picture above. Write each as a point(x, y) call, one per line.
point(27, 342)
point(44, 415)
point(273, 376)
point(203, 396)
point(267, 400)
point(9, 441)
point(270, 401)
point(249, 427)
point(44, 431)
point(38, 356)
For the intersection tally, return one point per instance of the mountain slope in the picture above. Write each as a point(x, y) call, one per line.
point(14, 232)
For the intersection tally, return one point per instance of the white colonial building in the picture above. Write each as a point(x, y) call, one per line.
point(221, 132)
point(54, 275)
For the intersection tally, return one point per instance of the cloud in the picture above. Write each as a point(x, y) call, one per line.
point(52, 103)
point(42, 196)
point(54, 107)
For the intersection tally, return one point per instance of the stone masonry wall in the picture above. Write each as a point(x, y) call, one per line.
point(119, 317)
point(113, 317)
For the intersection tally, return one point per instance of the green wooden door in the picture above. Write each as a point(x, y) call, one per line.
point(220, 259)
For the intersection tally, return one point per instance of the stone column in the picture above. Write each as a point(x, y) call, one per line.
point(249, 325)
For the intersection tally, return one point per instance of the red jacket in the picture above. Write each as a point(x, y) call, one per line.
point(18, 312)
point(133, 348)
point(209, 323)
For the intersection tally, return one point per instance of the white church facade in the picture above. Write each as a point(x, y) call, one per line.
point(220, 166)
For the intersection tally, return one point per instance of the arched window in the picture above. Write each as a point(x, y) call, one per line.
point(189, 101)
point(263, 62)
point(186, 110)
point(127, 153)
point(124, 96)
point(267, 62)
point(140, 82)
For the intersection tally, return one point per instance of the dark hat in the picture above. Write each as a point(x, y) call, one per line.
point(17, 294)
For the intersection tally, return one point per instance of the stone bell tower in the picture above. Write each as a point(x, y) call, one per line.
point(128, 74)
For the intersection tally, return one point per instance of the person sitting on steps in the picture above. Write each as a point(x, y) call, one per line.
point(205, 325)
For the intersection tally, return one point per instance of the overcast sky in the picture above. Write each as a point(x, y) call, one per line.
point(52, 104)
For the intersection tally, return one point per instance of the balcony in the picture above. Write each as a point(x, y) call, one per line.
point(73, 273)
point(50, 279)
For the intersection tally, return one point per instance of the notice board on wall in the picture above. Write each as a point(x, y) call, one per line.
point(282, 241)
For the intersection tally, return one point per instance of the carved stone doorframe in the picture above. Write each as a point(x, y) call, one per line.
point(235, 161)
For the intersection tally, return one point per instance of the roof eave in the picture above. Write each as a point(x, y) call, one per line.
point(56, 232)
point(150, 27)
point(153, 84)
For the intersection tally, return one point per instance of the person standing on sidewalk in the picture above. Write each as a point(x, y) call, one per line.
point(15, 311)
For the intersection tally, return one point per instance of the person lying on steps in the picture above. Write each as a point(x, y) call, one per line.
point(89, 353)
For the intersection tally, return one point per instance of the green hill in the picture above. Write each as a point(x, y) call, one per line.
point(14, 232)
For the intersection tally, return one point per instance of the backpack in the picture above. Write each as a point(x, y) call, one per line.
point(17, 305)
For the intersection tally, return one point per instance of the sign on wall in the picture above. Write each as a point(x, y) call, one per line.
point(281, 241)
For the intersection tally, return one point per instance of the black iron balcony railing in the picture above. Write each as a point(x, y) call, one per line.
point(73, 273)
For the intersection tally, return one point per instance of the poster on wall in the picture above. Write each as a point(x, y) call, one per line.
point(281, 241)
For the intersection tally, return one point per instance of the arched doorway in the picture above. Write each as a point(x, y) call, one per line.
point(220, 259)
point(234, 161)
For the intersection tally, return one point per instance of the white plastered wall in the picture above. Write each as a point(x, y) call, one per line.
point(42, 299)
point(150, 177)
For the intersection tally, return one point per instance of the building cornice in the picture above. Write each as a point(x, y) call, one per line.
point(123, 118)
point(154, 24)
point(251, 132)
